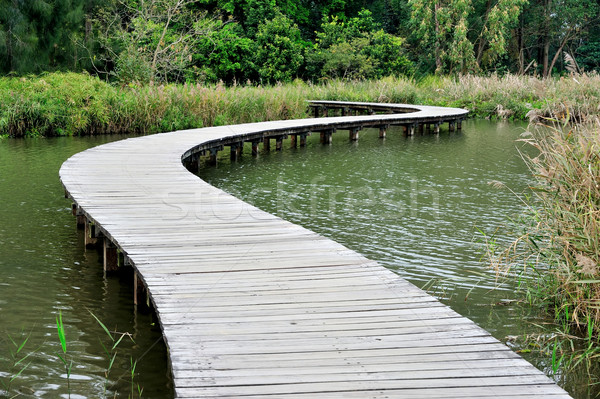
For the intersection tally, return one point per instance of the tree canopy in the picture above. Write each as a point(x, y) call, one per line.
point(269, 41)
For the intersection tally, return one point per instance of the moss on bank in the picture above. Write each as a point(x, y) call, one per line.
point(58, 104)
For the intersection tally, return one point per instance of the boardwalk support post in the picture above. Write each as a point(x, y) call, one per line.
point(436, 128)
point(353, 133)
point(421, 128)
point(451, 126)
point(382, 131)
point(293, 140)
point(234, 151)
point(459, 124)
point(80, 217)
point(303, 139)
point(279, 143)
point(212, 157)
point(326, 136)
point(91, 238)
point(255, 147)
point(410, 129)
point(267, 144)
point(110, 256)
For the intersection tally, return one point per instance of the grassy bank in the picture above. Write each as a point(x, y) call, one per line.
point(78, 104)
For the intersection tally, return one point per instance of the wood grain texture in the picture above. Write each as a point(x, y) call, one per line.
point(253, 306)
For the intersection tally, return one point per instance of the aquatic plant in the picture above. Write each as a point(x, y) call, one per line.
point(559, 235)
point(19, 362)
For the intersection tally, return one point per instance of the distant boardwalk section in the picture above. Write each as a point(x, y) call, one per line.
point(253, 306)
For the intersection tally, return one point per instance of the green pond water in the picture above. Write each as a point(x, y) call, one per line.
point(44, 269)
point(413, 204)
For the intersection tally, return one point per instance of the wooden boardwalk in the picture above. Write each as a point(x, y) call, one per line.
point(252, 306)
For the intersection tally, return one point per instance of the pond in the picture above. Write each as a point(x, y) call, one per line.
point(46, 269)
point(417, 205)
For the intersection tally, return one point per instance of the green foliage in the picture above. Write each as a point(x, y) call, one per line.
point(77, 104)
point(37, 35)
point(19, 362)
point(64, 358)
point(357, 49)
point(279, 53)
point(224, 54)
point(160, 41)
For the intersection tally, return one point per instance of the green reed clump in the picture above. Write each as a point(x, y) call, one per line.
point(79, 104)
point(560, 233)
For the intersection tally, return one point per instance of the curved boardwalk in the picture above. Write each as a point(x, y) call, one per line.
point(252, 306)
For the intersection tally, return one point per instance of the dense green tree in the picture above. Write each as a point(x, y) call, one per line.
point(357, 49)
point(551, 27)
point(37, 35)
point(151, 40)
point(225, 54)
point(279, 54)
point(465, 35)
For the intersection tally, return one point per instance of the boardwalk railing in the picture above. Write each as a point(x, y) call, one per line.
point(252, 306)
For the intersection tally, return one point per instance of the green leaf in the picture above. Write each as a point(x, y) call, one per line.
point(103, 326)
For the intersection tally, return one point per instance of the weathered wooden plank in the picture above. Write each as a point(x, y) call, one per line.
point(254, 306)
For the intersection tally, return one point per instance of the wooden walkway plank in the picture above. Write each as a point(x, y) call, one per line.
point(252, 306)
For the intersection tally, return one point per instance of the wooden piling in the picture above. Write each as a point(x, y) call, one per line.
point(382, 131)
point(267, 144)
point(353, 133)
point(293, 141)
point(79, 216)
point(110, 256)
point(279, 143)
point(91, 238)
point(303, 139)
point(212, 157)
point(326, 136)
point(436, 128)
point(459, 124)
point(255, 148)
point(451, 126)
point(233, 151)
point(421, 128)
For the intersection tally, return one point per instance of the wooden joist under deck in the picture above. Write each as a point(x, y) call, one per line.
point(252, 306)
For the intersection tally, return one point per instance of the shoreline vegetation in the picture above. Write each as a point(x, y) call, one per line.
point(68, 104)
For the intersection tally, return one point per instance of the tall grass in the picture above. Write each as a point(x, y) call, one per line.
point(560, 233)
point(78, 104)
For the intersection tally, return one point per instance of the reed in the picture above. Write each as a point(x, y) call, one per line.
point(18, 363)
point(57, 104)
point(559, 240)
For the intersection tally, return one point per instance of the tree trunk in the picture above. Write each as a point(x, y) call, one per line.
point(546, 47)
point(9, 50)
point(545, 52)
point(482, 41)
point(438, 55)
point(559, 51)
point(520, 46)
